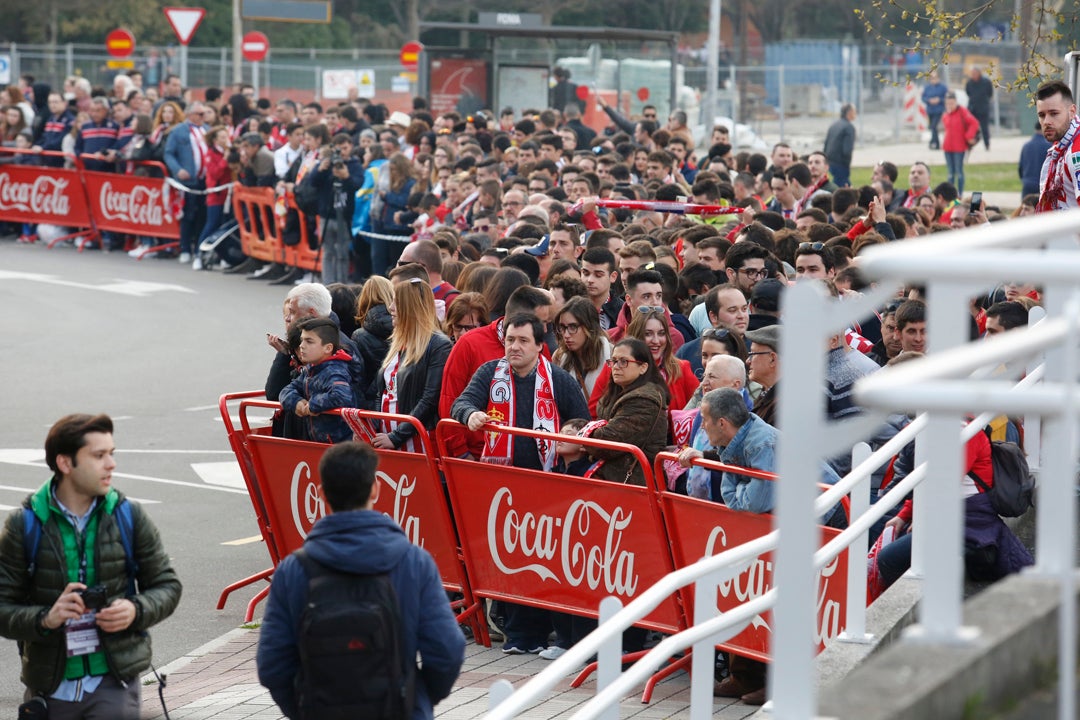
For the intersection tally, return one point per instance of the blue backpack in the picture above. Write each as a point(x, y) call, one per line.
point(124, 522)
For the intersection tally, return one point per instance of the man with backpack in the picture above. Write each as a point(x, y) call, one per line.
point(349, 612)
point(83, 576)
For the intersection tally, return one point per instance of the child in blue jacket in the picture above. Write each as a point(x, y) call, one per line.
point(323, 384)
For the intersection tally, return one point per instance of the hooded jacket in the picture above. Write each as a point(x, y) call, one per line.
point(364, 542)
point(325, 385)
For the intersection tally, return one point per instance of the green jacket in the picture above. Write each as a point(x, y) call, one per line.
point(25, 600)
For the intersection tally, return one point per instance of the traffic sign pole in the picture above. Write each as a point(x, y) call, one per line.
point(183, 65)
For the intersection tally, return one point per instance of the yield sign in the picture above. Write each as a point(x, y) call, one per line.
point(184, 21)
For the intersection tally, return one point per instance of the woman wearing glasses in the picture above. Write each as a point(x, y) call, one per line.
point(634, 410)
point(410, 378)
point(468, 312)
point(583, 347)
point(650, 326)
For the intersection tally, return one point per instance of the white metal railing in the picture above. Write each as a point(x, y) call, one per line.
point(951, 271)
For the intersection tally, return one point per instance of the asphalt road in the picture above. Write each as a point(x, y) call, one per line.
point(153, 344)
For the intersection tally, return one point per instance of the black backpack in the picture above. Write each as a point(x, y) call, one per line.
point(350, 644)
point(1011, 494)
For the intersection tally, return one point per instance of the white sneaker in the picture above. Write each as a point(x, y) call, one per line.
point(307, 277)
point(185, 258)
point(552, 653)
point(135, 253)
point(196, 264)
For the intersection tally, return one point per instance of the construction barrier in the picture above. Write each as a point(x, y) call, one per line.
point(260, 232)
point(550, 541)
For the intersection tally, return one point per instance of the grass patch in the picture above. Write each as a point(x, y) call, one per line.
point(992, 177)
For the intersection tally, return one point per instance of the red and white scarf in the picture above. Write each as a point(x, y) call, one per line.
point(390, 402)
point(1053, 191)
point(499, 447)
point(802, 202)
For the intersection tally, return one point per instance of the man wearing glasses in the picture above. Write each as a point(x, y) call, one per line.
point(185, 156)
point(744, 264)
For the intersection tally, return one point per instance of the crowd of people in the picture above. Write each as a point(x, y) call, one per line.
point(471, 271)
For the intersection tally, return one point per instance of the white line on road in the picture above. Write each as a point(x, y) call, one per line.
point(18, 457)
point(244, 541)
point(201, 408)
point(136, 288)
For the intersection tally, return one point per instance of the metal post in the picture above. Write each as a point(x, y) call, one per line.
point(780, 96)
point(712, 66)
point(184, 65)
point(942, 519)
point(674, 75)
point(735, 97)
point(1033, 422)
point(69, 60)
point(318, 83)
point(609, 656)
point(255, 77)
point(896, 105)
point(792, 679)
point(855, 622)
point(702, 663)
point(922, 499)
point(222, 62)
point(237, 40)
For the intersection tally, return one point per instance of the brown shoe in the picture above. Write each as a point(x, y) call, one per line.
point(754, 698)
point(729, 688)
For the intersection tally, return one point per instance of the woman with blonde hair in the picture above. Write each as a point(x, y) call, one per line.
point(410, 378)
point(373, 328)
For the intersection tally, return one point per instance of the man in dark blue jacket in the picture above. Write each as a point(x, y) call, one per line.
point(354, 538)
point(55, 129)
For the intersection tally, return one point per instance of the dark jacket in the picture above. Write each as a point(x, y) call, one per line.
point(611, 310)
point(23, 599)
point(326, 385)
point(335, 194)
point(394, 201)
point(569, 400)
point(364, 541)
point(840, 143)
point(418, 388)
point(372, 340)
point(1032, 156)
point(636, 416)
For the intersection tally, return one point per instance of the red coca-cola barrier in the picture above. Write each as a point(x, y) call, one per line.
point(131, 204)
point(700, 528)
point(44, 195)
point(238, 427)
point(301, 255)
point(409, 491)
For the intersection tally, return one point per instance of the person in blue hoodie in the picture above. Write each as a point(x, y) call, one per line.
point(354, 538)
point(323, 384)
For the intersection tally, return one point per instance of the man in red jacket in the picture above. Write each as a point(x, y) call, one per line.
point(477, 347)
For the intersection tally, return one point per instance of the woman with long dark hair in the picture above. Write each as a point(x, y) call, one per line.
point(633, 409)
point(583, 347)
point(411, 375)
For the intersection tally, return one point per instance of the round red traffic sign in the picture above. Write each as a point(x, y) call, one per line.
point(120, 43)
point(254, 46)
point(410, 55)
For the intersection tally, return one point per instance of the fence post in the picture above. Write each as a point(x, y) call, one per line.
point(499, 691)
point(69, 60)
point(1033, 422)
point(221, 68)
point(855, 621)
point(941, 521)
point(780, 96)
point(896, 104)
point(609, 656)
point(702, 659)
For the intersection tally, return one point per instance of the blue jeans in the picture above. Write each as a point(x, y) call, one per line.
point(213, 222)
point(933, 119)
point(894, 559)
point(954, 161)
point(841, 175)
point(194, 212)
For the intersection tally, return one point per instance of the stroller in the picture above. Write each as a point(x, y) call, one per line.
point(222, 249)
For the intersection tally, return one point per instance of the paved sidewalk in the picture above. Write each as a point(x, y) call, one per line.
point(218, 681)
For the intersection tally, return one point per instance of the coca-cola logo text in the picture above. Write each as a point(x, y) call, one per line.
point(307, 502)
point(564, 548)
point(44, 196)
point(402, 489)
point(140, 205)
point(756, 580)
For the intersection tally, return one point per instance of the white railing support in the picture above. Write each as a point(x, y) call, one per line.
point(792, 685)
point(1033, 421)
point(500, 691)
point(703, 658)
point(855, 622)
point(609, 656)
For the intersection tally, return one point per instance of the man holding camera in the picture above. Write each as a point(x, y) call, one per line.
point(337, 177)
point(83, 576)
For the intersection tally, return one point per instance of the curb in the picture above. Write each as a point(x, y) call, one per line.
point(201, 651)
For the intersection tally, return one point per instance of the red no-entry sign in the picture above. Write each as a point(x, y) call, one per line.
point(120, 43)
point(255, 46)
point(410, 55)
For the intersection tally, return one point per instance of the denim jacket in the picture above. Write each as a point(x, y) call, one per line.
point(754, 446)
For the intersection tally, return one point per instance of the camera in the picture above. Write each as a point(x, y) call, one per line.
point(94, 598)
point(336, 158)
